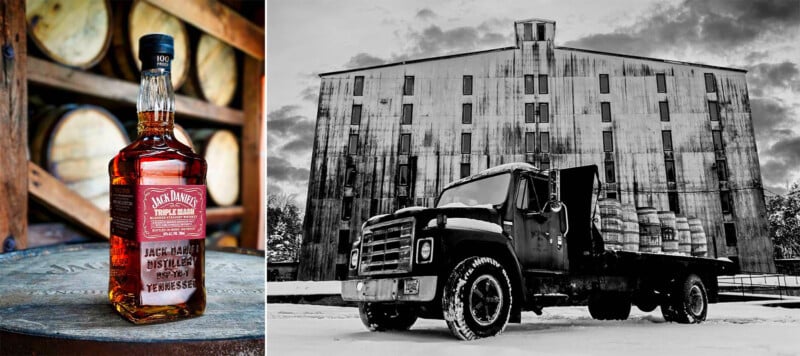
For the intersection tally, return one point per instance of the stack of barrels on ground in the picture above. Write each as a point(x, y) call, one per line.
point(75, 141)
point(646, 229)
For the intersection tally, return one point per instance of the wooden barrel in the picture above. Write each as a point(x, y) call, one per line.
point(220, 148)
point(699, 240)
point(684, 235)
point(669, 238)
point(611, 223)
point(183, 136)
point(213, 74)
point(132, 21)
point(74, 33)
point(649, 230)
point(55, 300)
point(630, 228)
point(75, 144)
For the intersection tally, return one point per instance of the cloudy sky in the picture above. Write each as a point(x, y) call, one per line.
point(305, 38)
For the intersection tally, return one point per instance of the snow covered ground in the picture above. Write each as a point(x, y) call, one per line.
point(731, 329)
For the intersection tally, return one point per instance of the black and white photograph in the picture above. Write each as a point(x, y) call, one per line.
point(559, 177)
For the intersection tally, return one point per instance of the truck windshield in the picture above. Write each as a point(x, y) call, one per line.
point(485, 191)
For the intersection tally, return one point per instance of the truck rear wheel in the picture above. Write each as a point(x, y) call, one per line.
point(688, 304)
point(386, 317)
point(477, 298)
point(609, 306)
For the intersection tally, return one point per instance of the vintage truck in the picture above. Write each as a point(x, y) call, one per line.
point(514, 238)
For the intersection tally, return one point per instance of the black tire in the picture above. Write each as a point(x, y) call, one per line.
point(647, 302)
point(688, 303)
point(609, 306)
point(386, 317)
point(477, 298)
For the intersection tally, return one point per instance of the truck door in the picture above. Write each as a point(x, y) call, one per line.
point(533, 245)
point(552, 226)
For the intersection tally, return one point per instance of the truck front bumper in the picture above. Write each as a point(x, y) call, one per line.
point(415, 289)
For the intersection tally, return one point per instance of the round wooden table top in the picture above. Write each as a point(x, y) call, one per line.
point(55, 300)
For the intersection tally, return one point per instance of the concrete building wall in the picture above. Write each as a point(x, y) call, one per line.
point(498, 135)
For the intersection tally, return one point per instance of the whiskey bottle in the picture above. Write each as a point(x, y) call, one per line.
point(158, 202)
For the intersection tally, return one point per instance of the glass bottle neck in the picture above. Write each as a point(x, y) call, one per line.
point(156, 103)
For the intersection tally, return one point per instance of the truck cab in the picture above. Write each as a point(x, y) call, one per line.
point(497, 243)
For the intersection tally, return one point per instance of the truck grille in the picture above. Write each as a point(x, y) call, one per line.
point(387, 248)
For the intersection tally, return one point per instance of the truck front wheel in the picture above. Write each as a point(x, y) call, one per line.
point(477, 298)
point(386, 317)
point(688, 303)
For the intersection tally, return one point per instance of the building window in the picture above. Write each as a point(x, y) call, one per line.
point(605, 111)
point(663, 109)
point(347, 208)
point(528, 84)
point(405, 144)
point(730, 234)
point(545, 165)
point(711, 84)
point(373, 207)
point(466, 113)
point(408, 85)
point(344, 241)
point(408, 110)
point(355, 116)
point(527, 32)
point(544, 142)
point(669, 166)
point(542, 84)
point(530, 142)
point(666, 138)
point(467, 85)
point(402, 175)
point(608, 142)
point(673, 202)
point(661, 82)
point(540, 31)
point(713, 110)
point(544, 112)
point(722, 170)
point(466, 143)
point(726, 201)
point(352, 144)
point(529, 113)
point(350, 176)
point(604, 84)
point(464, 170)
point(358, 86)
point(611, 195)
point(611, 175)
point(716, 136)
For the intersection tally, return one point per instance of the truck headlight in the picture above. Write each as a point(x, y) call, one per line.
point(425, 250)
point(354, 259)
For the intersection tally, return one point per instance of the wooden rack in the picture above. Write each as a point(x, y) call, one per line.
point(20, 178)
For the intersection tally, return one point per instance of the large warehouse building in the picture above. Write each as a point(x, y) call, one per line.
point(671, 135)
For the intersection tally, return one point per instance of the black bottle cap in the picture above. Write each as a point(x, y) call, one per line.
point(156, 50)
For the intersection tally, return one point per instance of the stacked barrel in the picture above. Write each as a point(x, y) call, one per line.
point(624, 227)
point(669, 238)
point(684, 235)
point(611, 223)
point(699, 241)
point(649, 230)
point(630, 228)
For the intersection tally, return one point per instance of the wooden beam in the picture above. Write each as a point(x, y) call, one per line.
point(224, 214)
point(219, 21)
point(54, 195)
point(13, 126)
point(54, 75)
point(253, 156)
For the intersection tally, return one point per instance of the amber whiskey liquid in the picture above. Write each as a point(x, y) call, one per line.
point(157, 255)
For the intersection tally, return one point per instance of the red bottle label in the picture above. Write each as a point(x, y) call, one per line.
point(151, 213)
